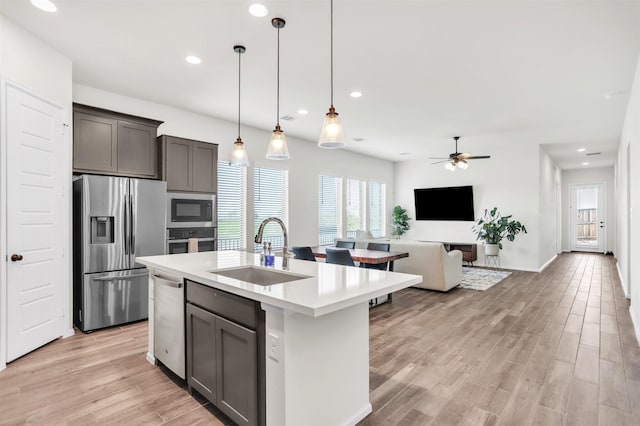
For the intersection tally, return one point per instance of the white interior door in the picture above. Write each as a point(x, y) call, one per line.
point(587, 217)
point(35, 196)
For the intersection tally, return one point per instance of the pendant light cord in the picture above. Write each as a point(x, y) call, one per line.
point(239, 55)
point(278, 83)
point(332, 53)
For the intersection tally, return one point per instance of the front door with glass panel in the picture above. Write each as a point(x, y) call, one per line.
point(587, 218)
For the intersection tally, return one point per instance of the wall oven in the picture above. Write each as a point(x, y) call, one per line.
point(189, 210)
point(178, 239)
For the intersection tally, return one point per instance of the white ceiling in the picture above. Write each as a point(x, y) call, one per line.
point(508, 72)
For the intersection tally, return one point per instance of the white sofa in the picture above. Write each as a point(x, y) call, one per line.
point(440, 270)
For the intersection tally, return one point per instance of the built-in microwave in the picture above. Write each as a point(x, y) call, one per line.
point(188, 210)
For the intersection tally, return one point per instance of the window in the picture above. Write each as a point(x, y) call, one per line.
point(232, 187)
point(355, 206)
point(270, 195)
point(377, 209)
point(329, 209)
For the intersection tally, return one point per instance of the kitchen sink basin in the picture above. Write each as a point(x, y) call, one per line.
point(259, 276)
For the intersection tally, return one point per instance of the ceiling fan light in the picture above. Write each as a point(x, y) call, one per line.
point(239, 156)
point(277, 149)
point(463, 164)
point(332, 135)
point(450, 166)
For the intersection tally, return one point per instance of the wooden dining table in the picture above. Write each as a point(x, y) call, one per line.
point(365, 256)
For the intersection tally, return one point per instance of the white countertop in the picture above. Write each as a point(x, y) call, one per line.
point(329, 287)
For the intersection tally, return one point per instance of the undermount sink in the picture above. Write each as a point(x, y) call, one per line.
point(259, 276)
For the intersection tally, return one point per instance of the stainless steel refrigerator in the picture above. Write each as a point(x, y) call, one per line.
point(115, 219)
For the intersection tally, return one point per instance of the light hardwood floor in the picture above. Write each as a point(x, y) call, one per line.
point(537, 349)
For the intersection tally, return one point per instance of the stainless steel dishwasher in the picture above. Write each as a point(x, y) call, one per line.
point(168, 322)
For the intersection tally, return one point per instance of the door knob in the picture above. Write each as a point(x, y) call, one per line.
point(16, 257)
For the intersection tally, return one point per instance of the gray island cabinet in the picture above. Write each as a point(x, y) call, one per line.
point(314, 346)
point(224, 339)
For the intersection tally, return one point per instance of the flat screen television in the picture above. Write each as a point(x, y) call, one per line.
point(453, 203)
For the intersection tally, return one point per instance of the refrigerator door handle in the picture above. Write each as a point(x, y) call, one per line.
point(126, 226)
point(120, 277)
point(132, 231)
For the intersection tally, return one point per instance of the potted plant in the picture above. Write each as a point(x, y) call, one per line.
point(400, 220)
point(492, 228)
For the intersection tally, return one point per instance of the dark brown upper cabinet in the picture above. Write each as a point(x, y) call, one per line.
point(107, 142)
point(188, 165)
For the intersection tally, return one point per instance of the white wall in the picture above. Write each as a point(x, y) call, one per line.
point(30, 63)
point(306, 163)
point(628, 186)
point(508, 180)
point(603, 175)
point(549, 184)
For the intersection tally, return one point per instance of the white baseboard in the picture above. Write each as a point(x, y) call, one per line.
point(622, 283)
point(359, 416)
point(151, 358)
point(68, 333)
point(547, 263)
point(636, 325)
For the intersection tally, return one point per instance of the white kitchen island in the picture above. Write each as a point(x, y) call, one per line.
point(317, 330)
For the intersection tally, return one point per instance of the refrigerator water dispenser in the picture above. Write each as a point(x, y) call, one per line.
point(102, 229)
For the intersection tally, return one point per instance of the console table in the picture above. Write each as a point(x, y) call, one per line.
point(469, 250)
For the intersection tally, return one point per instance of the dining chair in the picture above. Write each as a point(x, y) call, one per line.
point(346, 244)
point(303, 253)
point(379, 247)
point(339, 256)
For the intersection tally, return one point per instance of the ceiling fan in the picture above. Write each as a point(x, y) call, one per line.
point(457, 158)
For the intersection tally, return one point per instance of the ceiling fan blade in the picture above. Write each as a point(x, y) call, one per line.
point(477, 157)
point(443, 161)
point(439, 158)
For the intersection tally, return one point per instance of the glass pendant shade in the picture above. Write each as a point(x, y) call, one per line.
point(332, 135)
point(277, 149)
point(239, 156)
point(463, 164)
point(450, 166)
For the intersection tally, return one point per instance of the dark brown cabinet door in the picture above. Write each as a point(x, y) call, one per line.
point(205, 167)
point(237, 372)
point(201, 351)
point(137, 149)
point(178, 164)
point(95, 143)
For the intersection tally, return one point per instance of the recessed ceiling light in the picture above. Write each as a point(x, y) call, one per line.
point(581, 149)
point(45, 5)
point(585, 164)
point(258, 10)
point(193, 60)
point(303, 112)
point(355, 94)
point(616, 94)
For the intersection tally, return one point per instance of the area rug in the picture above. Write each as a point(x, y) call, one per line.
point(481, 279)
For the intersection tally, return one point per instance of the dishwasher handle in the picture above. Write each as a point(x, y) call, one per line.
point(168, 282)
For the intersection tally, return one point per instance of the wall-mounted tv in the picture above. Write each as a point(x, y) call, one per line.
point(450, 203)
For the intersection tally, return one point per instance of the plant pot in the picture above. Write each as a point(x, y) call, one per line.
point(491, 249)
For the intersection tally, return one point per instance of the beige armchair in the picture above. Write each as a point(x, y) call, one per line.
point(440, 270)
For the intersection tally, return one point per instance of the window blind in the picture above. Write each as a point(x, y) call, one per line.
point(232, 189)
point(329, 209)
point(377, 209)
point(355, 204)
point(270, 198)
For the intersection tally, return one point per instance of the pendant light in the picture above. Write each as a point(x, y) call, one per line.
point(332, 135)
point(277, 149)
point(239, 156)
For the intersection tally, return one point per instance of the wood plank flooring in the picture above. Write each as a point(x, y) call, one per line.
point(537, 349)
point(555, 348)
